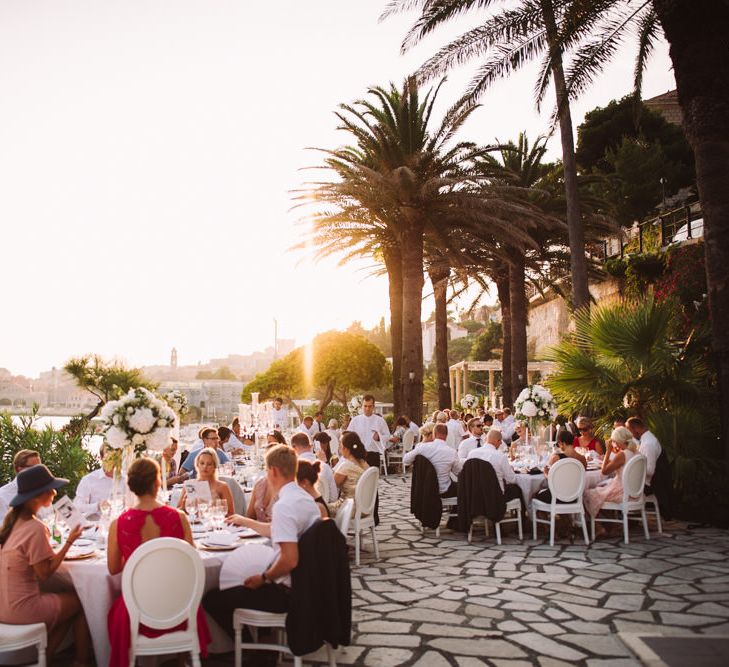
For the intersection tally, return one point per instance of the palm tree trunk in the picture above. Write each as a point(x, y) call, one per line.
point(578, 261)
point(393, 265)
point(411, 371)
point(439, 278)
point(697, 33)
point(517, 294)
point(502, 288)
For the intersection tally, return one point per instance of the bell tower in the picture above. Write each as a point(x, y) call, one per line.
point(173, 358)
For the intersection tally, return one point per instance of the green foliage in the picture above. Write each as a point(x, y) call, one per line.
point(106, 380)
point(61, 451)
point(341, 364)
point(222, 373)
point(331, 411)
point(486, 342)
point(379, 335)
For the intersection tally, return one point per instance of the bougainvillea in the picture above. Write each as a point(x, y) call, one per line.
point(684, 280)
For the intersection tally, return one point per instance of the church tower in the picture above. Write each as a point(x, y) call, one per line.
point(173, 358)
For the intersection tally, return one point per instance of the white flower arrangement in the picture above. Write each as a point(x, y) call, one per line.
point(535, 404)
point(138, 419)
point(177, 401)
point(469, 402)
point(355, 404)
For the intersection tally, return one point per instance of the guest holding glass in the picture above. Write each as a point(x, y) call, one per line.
point(587, 438)
point(27, 560)
point(206, 465)
point(147, 520)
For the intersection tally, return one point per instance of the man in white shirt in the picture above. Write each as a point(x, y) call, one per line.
point(499, 462)
point(372, 430)
point(280, 415)
point(503, 425)
point(444, 460)
point(326, 486)
point(307, 426)
point(293, 514)
point(318, 425)
point(23, 459)
point(455, 430)
point(476, 440)
point(94, 488)
point(413, 427)
point(648, 446)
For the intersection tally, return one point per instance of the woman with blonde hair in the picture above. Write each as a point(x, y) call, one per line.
point(622, 448)
point(586, 437)
point(426, 432)
point(206, 465)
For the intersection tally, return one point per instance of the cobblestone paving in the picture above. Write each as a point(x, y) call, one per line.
point(439, 601)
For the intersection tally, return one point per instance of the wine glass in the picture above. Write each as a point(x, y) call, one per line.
point(192, 509)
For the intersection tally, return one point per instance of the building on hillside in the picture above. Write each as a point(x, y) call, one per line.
point(454, 332)
point(217, 399)
point(667, 105)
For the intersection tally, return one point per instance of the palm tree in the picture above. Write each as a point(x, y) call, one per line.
point(410, 182)
point(511, 38)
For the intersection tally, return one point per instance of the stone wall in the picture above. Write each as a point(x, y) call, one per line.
point(549, 319)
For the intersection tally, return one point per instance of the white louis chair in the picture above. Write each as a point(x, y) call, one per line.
point(344, 517)
point(566, 482)
point(162, 585)
point(652, 500)
point(17, 637)
point(365, 496)
point(408, 442)
point(513, 506)
point(633, 499)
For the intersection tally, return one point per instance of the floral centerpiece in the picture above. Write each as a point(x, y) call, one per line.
point(535, 405)
point(355, 404)
point(177, 401)
point(469, 402)
point(138, 420)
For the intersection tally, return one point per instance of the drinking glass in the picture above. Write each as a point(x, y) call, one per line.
point(191, 507)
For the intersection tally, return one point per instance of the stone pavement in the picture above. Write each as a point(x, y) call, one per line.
point(439, 601)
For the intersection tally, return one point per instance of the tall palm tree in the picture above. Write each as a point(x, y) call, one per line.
point(510, 38)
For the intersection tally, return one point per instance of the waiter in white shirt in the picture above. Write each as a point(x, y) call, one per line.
point(444, 460)
point(372, 430)
point(280, 415)
point(455, 429)
point(500, 463)
point(476, 439)
point(648, 446)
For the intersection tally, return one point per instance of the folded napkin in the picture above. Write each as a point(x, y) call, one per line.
point(221, 538)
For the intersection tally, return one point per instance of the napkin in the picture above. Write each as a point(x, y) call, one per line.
point(244, 562)
point(221, 538)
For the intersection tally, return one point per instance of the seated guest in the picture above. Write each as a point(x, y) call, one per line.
point(456, 431)
point(24, 458)
point(206, 466)
point(322, 443)
point(173, 476)
point(587, 438)
point(444, 459)
point(622, 449)
point(518, 439)
point(96, 487)
point(475, 440)
point(413, 427)
point(648, 446)
point(27, 559)
point(327, 486)
point(307, 477)
point(401, 426)
point(275, 438)
point(499, 462)
point(211, 440)
point(229, 442)
point(426, 432)
point(294, 512)
point(504, 423)
point(566, 444)
point(145, 521)
point(307, 426)
point(349, 469)
point(440, 417)
point(260, 507)
point(333, 432)
point(235, 426)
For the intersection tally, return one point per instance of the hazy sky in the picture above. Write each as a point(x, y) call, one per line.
point(148, 150)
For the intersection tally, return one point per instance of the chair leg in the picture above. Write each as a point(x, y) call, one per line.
point(356, 547)
point(645, 523)
point(195, 658)
point(521, 530)
point(41, 656)
point(330, 656)
point(534, 523)
point(592, 527)
point(626, 527)
point(552, 519)
point(374, 542)
point(658, 518)
point(238, 648)
point(470, 532)
point(298, 662)
point(584, 528)
point(497, 526)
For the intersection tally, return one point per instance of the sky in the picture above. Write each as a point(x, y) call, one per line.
point(149, 150)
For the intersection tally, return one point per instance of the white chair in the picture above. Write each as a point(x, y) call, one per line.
point(17, 637)
point(408, 442)
point(255, 619)
point(652, 500)
point(365, 496)
point(566, 482)
point(513, 506)
point(162, 585)
point(633, 498)
point(383, 458)
point(344, 516)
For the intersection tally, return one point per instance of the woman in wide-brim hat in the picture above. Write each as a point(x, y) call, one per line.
point(27, 560)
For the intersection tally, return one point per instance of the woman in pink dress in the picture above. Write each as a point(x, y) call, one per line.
point(145, 521)
point(27, 559)
point(623, 448)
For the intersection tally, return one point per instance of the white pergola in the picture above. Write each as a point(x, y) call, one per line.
point(458, 375)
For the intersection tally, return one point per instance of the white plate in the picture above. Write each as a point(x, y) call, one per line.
point(217, 547)
point(247, 532)
point(80, 554)
point(81, 543)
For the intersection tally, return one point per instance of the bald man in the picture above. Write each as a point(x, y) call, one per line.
point(499, 462)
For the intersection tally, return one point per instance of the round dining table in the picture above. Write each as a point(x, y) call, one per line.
point(530, 485)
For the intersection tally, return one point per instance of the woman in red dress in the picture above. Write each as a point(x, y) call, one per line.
point(587, 437)
point(145, 521)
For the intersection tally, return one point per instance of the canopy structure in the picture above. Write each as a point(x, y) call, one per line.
point(458, 374)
